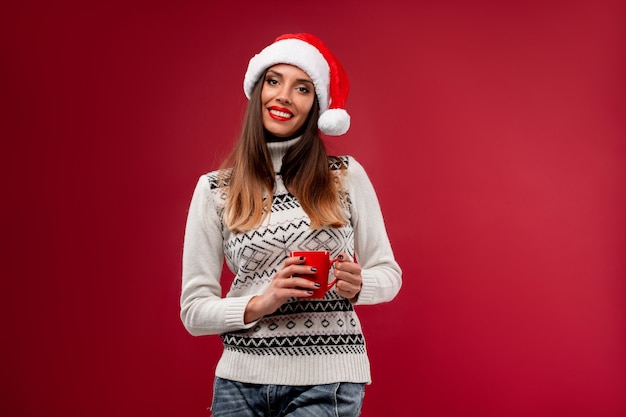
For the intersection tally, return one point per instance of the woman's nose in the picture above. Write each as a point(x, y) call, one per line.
point(284, 96)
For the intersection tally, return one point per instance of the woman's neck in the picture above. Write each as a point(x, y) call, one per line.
point(270, 138)
point(278, 150)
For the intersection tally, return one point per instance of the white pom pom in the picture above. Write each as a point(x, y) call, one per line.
point(334, 122)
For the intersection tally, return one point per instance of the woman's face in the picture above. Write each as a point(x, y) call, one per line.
point(287, 97)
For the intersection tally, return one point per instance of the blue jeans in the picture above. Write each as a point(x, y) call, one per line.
point(237, 399)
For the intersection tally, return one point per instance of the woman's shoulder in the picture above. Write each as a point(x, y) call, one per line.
point(341, 162)
point(348, 170)
point(344, 162)
point(215, 179)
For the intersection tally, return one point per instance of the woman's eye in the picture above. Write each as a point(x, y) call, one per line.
point(303, 90)
point(271, 81)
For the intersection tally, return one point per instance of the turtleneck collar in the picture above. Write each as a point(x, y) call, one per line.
point(278, 150)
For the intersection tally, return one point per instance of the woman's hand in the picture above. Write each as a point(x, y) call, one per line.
point(348, 276)
point(285, 285)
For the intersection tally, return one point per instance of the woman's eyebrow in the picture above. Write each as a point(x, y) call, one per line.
point(280, 74)
point(274, 72)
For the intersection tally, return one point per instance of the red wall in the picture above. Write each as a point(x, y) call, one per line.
point(493, 131)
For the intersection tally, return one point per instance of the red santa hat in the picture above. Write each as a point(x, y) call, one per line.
point(313, 57)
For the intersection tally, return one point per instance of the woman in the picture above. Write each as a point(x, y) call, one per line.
point(278, 191)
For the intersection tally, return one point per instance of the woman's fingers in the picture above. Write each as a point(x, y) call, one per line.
point(348, 276)
point(290, 277)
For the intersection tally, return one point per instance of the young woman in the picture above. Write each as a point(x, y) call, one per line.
point(278, 191)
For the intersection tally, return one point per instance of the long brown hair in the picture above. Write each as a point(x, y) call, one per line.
point(249, 173)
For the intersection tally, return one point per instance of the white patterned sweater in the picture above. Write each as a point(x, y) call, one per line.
point(305, 342)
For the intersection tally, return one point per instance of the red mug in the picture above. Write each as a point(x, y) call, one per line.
point(321, 260)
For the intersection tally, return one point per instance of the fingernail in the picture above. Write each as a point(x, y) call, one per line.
point(317, 284)
point(310, 291)
point(302, 258)
point(313, 269)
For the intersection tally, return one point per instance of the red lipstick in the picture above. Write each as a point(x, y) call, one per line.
point(280, 113)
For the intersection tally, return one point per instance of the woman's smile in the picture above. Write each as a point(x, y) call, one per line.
point(280, 113)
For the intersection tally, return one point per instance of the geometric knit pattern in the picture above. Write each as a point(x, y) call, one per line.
point(299, 327)
point(319, 313)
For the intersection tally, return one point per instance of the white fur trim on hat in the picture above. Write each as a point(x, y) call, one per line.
point(294, 52)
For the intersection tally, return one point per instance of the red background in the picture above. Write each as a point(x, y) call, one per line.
point(494, 133)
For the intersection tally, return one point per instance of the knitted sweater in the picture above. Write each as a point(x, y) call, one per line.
point(305, 342)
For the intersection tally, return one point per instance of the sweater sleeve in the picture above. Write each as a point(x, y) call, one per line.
point(203, 310)
point(382, 276)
